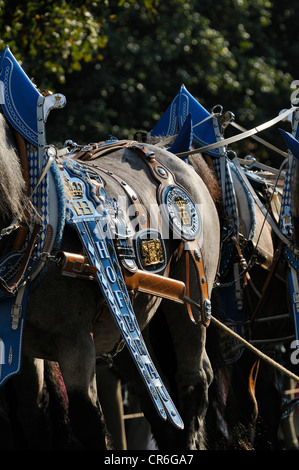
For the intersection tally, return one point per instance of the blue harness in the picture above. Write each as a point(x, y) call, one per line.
point(286, 224)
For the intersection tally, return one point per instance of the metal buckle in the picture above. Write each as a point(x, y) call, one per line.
point(296, 300)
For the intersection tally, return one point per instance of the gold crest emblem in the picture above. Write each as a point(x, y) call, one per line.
point(151, 251)
point(184, 214)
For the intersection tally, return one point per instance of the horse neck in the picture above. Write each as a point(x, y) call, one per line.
point(12, 184)
point(205, 169)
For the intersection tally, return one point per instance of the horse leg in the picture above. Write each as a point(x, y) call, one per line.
point(193, 377)
point(6, 433)
point(78, 368)
point(109, 391)
point(26, 397)
point(178, 346)
point(241, 408)
point(269, 400)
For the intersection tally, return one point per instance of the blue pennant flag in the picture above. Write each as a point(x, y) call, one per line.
point(18, 97)
point(183, 105)
point(291, 142)
point(184, 139)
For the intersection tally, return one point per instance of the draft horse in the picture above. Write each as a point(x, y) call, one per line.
point(67, 319)
point(247, 388)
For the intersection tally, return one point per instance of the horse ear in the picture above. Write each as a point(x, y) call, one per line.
point(291, 142)
point(184, 138)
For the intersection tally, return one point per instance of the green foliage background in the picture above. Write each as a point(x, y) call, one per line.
point(120, 63)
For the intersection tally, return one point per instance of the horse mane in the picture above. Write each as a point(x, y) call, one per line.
point(204, 167)
point(12, 184)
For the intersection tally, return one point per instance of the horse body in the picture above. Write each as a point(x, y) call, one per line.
point(66, 320)
point(243, 385)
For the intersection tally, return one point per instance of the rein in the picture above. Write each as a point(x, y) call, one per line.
point(244, 135)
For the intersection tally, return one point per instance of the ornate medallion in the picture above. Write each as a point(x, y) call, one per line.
point(181, 212)
point(150, 250)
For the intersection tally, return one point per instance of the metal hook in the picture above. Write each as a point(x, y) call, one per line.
point(228, 118)
point(215, 112)
point(234, 155)
point(252, 159)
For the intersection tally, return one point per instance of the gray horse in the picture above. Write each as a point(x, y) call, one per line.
point(244, 392)
point(67, 321)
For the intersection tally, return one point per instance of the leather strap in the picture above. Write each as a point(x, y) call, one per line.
point(194, 254)
point(165, 177)
point(244, 135)
point(141, 213)
point(13, 287)
point(265, 287)
point(96, 150)
point(75, 265)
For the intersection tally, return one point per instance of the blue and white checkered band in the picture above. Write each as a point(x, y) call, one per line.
point(150, 250)
point(181, 213)
point(230, 200)
point(285, 211)
point(286, 207)
point(93, 224)
point(40, 198)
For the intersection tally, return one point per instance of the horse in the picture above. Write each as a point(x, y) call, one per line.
point(67, 320)
point(246, 387)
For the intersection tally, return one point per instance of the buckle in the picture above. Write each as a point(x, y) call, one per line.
point(16, 312)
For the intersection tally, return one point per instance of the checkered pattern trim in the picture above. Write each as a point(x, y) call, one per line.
point(286, 205)
point(230, 200)
point(40, 197)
